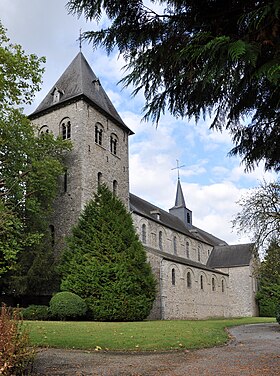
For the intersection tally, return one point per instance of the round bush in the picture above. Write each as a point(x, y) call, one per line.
point(36, 312)
point(67, 306)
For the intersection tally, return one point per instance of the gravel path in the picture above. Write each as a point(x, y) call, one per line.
point(254, 350)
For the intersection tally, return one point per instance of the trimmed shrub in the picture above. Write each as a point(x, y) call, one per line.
point(67, 306)
point(36, 312)
point(16, 355)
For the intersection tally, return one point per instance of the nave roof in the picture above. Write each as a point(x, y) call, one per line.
point(229, 256)
point(146, 209)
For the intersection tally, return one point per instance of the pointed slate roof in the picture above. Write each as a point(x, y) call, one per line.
point(179, 200)
point(79, 81)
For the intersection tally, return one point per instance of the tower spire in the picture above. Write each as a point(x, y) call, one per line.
point(179, 201)
point(180, 210)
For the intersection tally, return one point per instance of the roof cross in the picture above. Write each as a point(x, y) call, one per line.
point(178, 168)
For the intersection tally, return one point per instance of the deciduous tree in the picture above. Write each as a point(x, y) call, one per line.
point(198, 57)
point(260, 214)
point(29, 167)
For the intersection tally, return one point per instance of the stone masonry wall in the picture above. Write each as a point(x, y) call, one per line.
point(193, 300)
point(85, 161)
point(180, 300)
point(242, 289)
point(198, 251)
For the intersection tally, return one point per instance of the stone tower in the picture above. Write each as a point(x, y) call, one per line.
point(78, 109)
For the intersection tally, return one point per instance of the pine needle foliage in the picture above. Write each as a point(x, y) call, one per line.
point(105, 262)
point(194, 57)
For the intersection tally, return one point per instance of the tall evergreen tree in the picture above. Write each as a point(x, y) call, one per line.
point(105, 263)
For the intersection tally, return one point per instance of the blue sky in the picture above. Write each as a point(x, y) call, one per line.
point(212, 182)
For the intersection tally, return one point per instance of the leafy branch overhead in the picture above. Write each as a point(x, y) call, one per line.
point(198, 57)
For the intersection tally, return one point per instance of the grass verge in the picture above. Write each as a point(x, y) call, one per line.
point(127, 336)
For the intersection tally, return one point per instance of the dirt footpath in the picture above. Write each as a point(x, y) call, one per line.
point(254, 350)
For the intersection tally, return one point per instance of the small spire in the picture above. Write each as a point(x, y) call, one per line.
point(178, 168)
point(179, 200)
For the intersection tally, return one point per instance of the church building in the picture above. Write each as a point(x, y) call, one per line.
point(198, 275)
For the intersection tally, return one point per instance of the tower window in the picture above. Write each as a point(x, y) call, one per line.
point(175, 245)
point(160, 240)
point(65, 129)
point(113, 144)
point(56, 93)
point(65, 182)
point(99, 179)
point(173, 277)
point(187, 249)
point(44, 129)
point(199, 253)
point(115, 187)
point(189, 280)
point(223, 286)
point(144, 233)
point(98, 135)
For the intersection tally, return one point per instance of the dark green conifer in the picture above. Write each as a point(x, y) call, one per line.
point(105, 263)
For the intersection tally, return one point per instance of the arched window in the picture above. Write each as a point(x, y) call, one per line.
point(199, 252)
point(223, 286)
point(187, 249)
point(213, 284)
point(201, 282)
point(99, 178)
point(175, 245)
point(144, 233)
point(173, 277)
point(44, 129)
point(160, 240)
point(65, 129)
point(115, 187)
point(52, 235)
point(189, 280)
point(113, 144)
point(98, 134)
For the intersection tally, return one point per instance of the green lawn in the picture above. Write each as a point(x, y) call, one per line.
point(145, 335)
